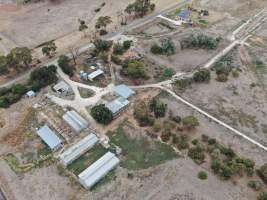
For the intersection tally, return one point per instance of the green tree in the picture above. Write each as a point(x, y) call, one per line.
point(202, 175)
point(140, 8)
point(135, 69)
point(127, 44)
point(19, 57)
point(3, 65)
point(64, 64)
point(82, 26)
point(168, 46)
point(103, 21)
point(141, 114)
point(102, 45)
point(159, 108)
point(263, 172)
point(102, 114)
point(262, 196)
point(190, 122)
point(202, 75)
point(49, 49)
point(118, 49)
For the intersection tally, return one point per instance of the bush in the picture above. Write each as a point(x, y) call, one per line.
point(202, 175)
point(116, 59)
point(202, 75)
point(183, 83)
point(156, 49)
point(168, 72)
point(190, 122)
point(127, 44)
point(135, 69)
point(103, 32)
point(255, 185)
point(222, 78)
point(177, 119)
point(262, 196)
point(158, 107)
point(141, 114)
point(102, 114)
point(200, 41)
point(197, 154)
point(64, 64)
point(118, 49)
point(263, 173)
point(156, 126)
point(182, 142)
point(102, 45)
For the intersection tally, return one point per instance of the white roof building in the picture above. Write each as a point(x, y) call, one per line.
point(75, 121)
point(95, 74)
point(75, 151)
point(117, 105)
point(49, 137)
point(31, 93)
point(62, 87)
point(89, 177)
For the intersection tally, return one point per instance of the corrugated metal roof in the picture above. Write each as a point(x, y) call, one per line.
point(63, 86)
point(75, 120)
point(185, 14)
point(124, 91)
point(49, 137)
point(98, 170)
point(117, 105)
point(78, 149)
point(95, 74)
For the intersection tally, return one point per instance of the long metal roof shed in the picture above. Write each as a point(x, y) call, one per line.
point(89, 177)
point(124, 91)
point(49, 137)
point(117, 105)
point(76, 122)
point(75, 151)
point(95, 74)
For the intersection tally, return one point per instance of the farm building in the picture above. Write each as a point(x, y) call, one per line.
point(75, 121)
point(90, 176)
point(184, 15)
point(95, 74)
point(62, 88)
point(124, 91)
point(49, 137)
point(30, 94)
point(75, 151)
point(118, 105)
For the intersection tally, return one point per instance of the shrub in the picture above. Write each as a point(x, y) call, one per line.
point(127, 44)
point(102, 45)
point(177, 119)
point(158, 107)
point(202, 175)
point(118, 49)
point(102, 114)
point(141, 114)
point(263, 173)
point(103, 32)
point(183, 83)
point(64, 64)
point(182, 142)
point(157, 126)
point(190, 122)
point(262, 196)
point(167, 47)
point(135, 69)
point(168, 72)
point(116, 60)
point(255, 185)
point(197, 154)
point(222, 78)
point(200, 41)
point(156, 49)
point(202, 75)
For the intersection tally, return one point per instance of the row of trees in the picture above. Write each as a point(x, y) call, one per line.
point(19, 58)
point(39, 78)
point(200, 41)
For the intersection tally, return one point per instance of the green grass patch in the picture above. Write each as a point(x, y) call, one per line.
point(141, 153)
point(85, 93)
point(260, 65)
point(203, 22)
point(87, 159)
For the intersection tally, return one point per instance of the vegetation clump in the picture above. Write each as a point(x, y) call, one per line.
point(134, 69)
point(202, 175)
point(102, 114)
point(166, 47)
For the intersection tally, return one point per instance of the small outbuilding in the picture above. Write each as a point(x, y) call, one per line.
point(75, 151)
point(184, 15)
point(62, 88)
point(95, 74)
point(75, 121)
point(50, 138)
point(124, 91)
point(118, 105)
point(90, 176)
point(30, 94)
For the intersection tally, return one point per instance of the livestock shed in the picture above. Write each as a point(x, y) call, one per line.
point(49, 137)
point(124, 91)
point(95, 74)
point(118, 105)
point(78, 149)
point(75, 121)
point(90, 176)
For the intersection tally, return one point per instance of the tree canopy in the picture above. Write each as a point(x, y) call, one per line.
point(102, 114)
